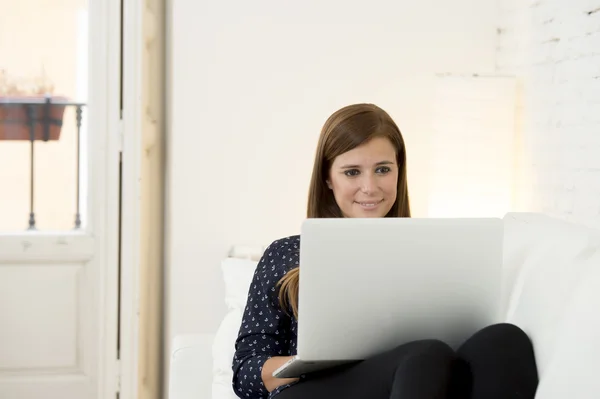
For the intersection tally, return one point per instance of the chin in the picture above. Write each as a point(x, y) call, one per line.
point(359, 213)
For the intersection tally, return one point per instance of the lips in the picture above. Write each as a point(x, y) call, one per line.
point(369, 204)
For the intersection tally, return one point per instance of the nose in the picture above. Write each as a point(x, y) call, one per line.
point(368, 184)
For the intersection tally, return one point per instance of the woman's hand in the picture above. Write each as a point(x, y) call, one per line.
point(270, 382)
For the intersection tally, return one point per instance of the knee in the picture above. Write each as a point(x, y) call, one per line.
point(503, 332)
point(496, 337)
point(426, 347)
point(436, 346)
point(429, 359)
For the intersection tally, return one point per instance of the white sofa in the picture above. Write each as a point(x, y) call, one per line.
point(551, 289)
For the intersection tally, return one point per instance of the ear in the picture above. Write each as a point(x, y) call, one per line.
point(329, 184)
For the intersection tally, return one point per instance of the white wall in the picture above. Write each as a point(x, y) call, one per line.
point(553, 47)
point(251, 85)
point(472, 146)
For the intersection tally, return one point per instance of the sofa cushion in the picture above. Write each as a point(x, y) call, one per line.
point(522, 233)
point(237, 275)
point(222, 354)
point(547, 281)
point(573, 370)
point(190, 365)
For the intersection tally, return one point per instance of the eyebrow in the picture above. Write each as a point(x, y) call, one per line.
point(358, 166)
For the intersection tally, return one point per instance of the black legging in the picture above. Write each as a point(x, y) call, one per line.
point(496, 363)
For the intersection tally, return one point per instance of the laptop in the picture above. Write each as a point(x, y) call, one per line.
point(369, 285)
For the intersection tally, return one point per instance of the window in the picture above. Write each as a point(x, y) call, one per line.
point(43, 94)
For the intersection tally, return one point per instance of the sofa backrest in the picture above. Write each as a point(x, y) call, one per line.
point(546, 262)
point(572, 371)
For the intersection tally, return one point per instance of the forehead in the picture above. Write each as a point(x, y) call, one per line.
point(376, 150)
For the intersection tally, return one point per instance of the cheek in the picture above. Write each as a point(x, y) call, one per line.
point(343, 188)
point(391, 184)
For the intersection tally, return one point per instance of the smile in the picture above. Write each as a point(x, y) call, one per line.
point(369, 204)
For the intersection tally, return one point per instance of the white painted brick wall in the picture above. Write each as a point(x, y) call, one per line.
point(553, 47)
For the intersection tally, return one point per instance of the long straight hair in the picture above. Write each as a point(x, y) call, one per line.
point(346, 129)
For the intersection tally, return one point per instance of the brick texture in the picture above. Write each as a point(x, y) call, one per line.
point(553, 48)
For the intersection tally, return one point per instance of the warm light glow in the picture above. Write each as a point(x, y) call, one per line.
point(472, 147)
point(458, 206)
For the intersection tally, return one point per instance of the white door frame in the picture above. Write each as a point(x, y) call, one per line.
point(121, 375)
point(131, 136)
point(104, 97)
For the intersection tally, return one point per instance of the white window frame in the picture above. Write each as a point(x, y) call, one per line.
point(131, 141)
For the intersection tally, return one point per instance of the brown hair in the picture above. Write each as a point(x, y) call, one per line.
point(343, 131)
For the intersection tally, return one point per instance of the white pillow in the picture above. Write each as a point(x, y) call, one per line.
point(222, 353)
point(526, 234)
point(573, 371)
point(238, 275)
point(523, 232)
point(546, 285)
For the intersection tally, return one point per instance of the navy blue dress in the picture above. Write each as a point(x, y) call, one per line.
point(266, 330)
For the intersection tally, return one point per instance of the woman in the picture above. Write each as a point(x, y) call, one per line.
point(360, 171)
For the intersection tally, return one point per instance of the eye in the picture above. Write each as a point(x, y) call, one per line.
point(383, 170)
point(351, 172)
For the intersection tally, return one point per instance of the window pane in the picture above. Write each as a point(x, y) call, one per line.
point(43, 84)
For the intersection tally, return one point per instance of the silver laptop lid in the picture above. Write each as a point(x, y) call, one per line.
point(368, 285)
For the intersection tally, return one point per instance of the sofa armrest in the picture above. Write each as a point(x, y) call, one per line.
point(190, 371)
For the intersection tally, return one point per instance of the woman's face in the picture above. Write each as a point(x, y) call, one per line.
point(364, 180)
